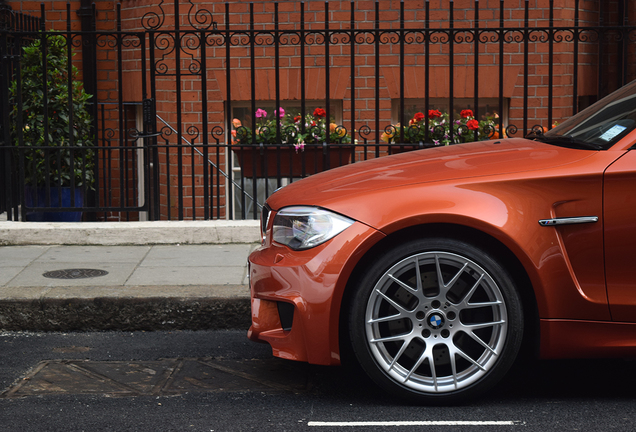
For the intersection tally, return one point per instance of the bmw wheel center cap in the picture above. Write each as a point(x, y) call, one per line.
point(435, 320)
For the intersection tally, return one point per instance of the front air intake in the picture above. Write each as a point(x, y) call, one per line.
point(286, 315)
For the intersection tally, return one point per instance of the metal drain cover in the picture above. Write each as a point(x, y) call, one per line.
point(75, 273)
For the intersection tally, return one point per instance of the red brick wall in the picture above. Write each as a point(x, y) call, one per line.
point(137, 14)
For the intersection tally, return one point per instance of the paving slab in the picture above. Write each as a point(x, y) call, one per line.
point(14, 256)
point(33, 275)
point(198, 256)
point(8, 273)
point(93, 254)
point(182, 275)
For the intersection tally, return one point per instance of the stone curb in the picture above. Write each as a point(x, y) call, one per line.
point(104, 310)
point(129, 233)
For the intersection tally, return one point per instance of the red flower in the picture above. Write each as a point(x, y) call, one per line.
point(418, 117)
point(433, 114)
point(472, 124)
point(319, 112)
point(466, 113)
point(297, 119)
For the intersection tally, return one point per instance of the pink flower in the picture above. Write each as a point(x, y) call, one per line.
point(279, 112)
point(261, 113)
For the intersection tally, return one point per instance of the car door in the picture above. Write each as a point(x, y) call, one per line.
point(620, 236)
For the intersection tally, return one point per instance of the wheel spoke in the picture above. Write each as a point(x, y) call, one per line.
point(402, 284)
point(418, 276)
point(481, 342)
point(443, 286)
point(391, 301)
point(483, 325)
point(401, 337)
point(425, 355)
point(386, 318)
point(472, 290)
point(399, 353)
point(483, 304)
point(453, 363)
point(468, 358)
point(431, 364)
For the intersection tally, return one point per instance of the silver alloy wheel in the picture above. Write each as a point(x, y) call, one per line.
point(436, 322)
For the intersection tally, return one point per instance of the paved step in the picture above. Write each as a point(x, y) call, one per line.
point(129, 233)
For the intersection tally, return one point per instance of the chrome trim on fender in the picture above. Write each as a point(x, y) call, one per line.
point(568, 220)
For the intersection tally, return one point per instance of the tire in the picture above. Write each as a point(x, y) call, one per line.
point(431, 342)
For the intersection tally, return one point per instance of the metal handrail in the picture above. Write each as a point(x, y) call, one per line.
point(212, 163)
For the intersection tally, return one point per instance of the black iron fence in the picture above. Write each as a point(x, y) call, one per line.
point(205, 122)
point(11, 22)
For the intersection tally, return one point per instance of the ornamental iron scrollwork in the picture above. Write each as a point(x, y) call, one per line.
point(154, 20)
point(216, 133)
point(201, 19)
point(365, 132)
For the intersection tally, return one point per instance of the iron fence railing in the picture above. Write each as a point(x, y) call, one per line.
point(10, 45)
point(189, 124)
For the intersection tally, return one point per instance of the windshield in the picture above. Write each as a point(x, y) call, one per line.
point(599, 126)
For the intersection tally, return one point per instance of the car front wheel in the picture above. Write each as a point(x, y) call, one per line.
point(436, 321)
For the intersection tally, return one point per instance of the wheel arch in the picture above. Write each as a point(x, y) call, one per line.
point(531, 338)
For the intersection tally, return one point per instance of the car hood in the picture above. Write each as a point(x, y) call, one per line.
point(478, 159)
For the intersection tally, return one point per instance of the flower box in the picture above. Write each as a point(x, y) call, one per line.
point(268, 160)
point(399, 148)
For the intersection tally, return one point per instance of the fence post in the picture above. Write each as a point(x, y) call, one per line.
point(85, 12)
point(5, 179)
point(88, 15)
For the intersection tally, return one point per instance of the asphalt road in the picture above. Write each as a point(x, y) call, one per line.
point(219, 381)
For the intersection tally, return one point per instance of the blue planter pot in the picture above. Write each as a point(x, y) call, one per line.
point(36, 197)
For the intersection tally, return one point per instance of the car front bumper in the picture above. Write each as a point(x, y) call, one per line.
point(297, 295)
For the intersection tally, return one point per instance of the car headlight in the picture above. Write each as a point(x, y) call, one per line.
point(306, 227)
point(265, 214)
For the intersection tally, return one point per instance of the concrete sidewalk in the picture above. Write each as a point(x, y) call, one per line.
point(134, 276)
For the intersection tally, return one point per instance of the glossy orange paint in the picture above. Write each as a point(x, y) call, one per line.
point(501, 188)
point(313, 281)
point(620, 236)
point(587, 339)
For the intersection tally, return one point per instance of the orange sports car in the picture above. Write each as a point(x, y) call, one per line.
point(436, 268)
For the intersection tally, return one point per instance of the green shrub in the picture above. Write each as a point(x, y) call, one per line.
point(59, 115)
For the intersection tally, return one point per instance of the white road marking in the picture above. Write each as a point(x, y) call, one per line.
point(415, 423)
